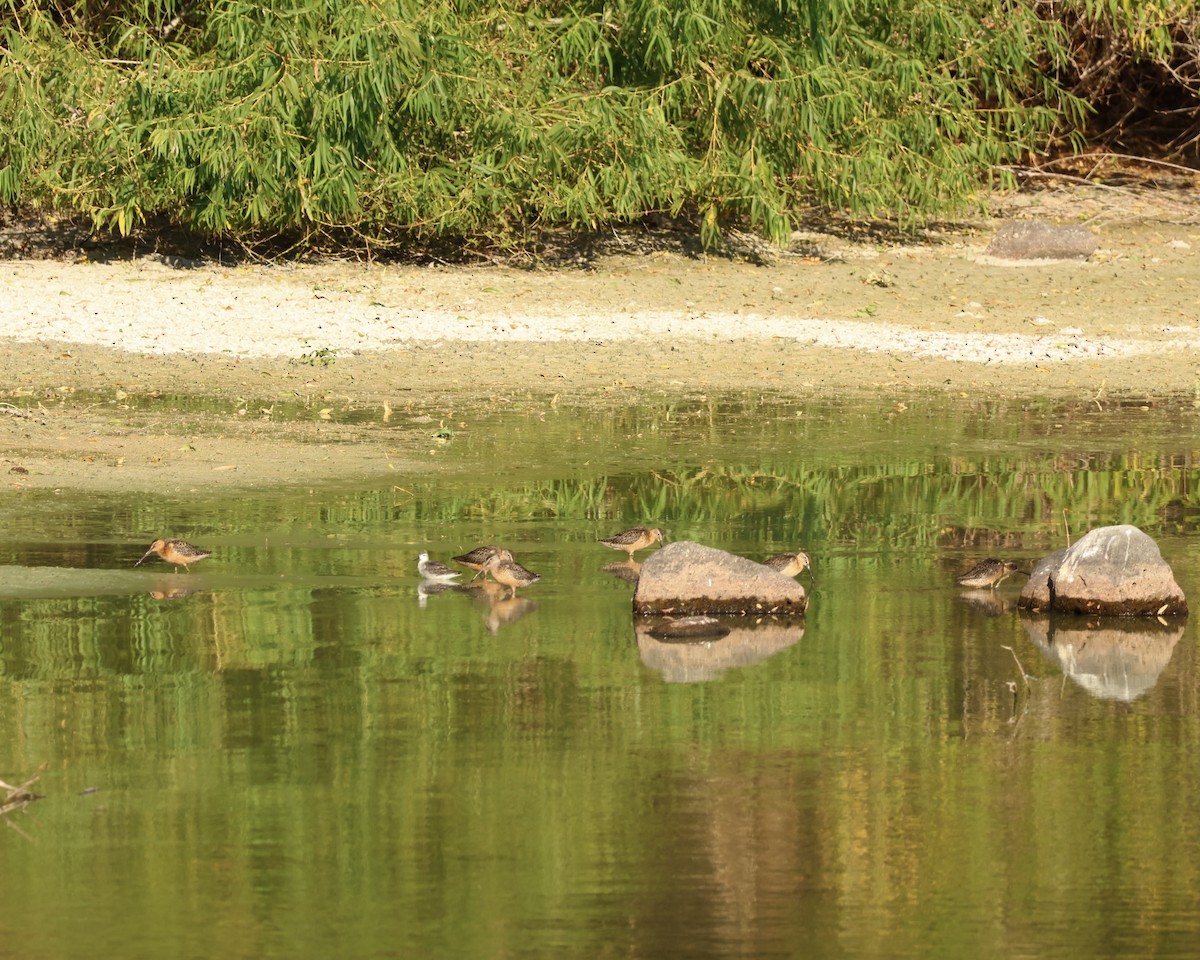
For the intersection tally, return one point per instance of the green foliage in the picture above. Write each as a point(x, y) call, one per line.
point(398, 120)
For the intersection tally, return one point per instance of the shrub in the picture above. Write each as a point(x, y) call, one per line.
point(400, 120)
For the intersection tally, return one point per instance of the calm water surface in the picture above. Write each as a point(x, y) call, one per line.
point(291, 753)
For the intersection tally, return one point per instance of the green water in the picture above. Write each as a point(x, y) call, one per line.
point(289, 753)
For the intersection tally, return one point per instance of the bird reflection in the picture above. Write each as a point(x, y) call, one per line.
point(502, 608)
point(431, 588)
point(986, 601)
point(507, 611)
point(169, 590)
point(627, 570)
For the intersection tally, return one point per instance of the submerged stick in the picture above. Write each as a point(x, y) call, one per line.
point(21, 795)
point(1020, 669)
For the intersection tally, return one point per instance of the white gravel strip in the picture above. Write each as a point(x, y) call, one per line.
point(256, 314)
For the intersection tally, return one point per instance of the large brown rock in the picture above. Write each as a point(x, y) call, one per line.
point(1110, 571)
point(685, 578)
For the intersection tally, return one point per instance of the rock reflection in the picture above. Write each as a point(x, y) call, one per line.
point(1110, 659)
point(744, 646)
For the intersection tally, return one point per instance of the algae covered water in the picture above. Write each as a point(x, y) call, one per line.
point(299, 749)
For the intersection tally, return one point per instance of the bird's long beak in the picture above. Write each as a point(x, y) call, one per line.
point(144, 556)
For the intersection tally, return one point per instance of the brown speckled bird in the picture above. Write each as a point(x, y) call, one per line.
point(987, 573)
point(633, 539)
point(790, 564)
point(178, 553)
point(510, 573)
point(477, 559)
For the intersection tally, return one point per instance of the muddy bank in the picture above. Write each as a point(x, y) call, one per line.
point(143, 374)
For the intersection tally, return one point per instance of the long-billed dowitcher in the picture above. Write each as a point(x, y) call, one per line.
point(433, 570)
point(987, 573)
point(633, 539)
point(790, 564)
point(477, 558)
point(510, 573)
point(178, 553)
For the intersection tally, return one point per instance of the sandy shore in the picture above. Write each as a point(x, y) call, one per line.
point(84, 340)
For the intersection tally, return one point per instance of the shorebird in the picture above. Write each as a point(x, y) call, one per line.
point(510, 573)
point(633, 539)
point(178, 553)
point(476, 559)
point(790, 564)
point(987, 573)
point(432, 570)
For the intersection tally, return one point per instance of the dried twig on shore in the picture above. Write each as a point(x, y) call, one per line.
point(14, 411)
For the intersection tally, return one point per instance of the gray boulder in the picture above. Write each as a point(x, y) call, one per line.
point(1110, 571)
point(1035, 595)
point(1038, 240)
point(685, 579)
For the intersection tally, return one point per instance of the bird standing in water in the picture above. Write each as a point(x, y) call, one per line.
point(433, 570)
point(510, 573)
point(790, 564)
point(987, 573)
point(476, 559)
point(178, 553)
point(633, 539)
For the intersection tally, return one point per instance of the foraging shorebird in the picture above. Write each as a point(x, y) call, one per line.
point(987, 573)
point(178, 553)
point(790, 564)
point(633, 539)
point(510, 573)
point(432, 570)
point(476, 559)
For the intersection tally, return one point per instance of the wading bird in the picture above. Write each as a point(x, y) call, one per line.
point(988, 573)
point(178, 553)
point(633, 539)
point(432, 570)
